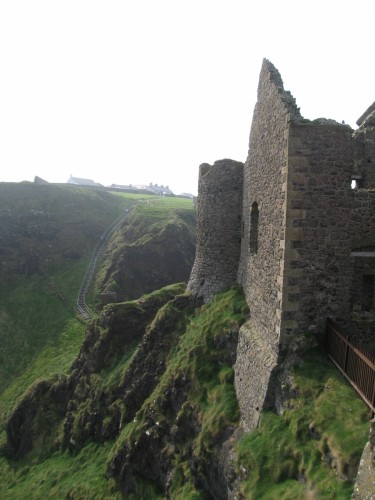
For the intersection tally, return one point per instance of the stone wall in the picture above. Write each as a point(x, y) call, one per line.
point(218, 228)
point(299, 173)
point(363, 231)
point(362, 300)
point(330, 230)
point(362, 220)
point(317, 265)
point(264, 184)
point(259, 269)
point(254, 365)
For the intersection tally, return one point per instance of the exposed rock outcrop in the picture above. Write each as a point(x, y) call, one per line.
point(147, 254)
point(82, 403)
point(155, 407)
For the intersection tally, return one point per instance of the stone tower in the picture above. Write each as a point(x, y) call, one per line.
point(218, 229)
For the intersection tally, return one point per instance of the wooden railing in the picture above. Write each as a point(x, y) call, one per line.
point(357, 366)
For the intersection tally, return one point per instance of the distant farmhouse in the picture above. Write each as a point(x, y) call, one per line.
point(82, 182)
point(143, 188)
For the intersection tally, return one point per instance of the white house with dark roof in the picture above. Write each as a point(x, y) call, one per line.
point(78, 181)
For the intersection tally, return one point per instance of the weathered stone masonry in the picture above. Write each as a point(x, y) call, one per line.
point(219, 228)
point(307, 248)
point(265, 175)
point(317, 265)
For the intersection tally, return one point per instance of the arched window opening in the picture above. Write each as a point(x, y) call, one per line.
point(254, 222)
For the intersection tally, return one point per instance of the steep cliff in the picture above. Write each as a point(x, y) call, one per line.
point(154, 247)
point(154, 376)
point(148, 410)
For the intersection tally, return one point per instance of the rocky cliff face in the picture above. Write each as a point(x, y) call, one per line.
point(365, 482)
point(153, 381)
point(76, 397)
point(146, 254)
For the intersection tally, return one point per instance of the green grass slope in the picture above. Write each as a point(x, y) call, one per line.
point(47, 235)
point(152, 405)
point(114, 403)
point(313, 449)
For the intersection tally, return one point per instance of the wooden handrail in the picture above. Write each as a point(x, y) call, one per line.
point(355, 363)
point(351, 345)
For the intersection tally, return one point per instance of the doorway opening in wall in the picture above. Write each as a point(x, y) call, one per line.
point(368, 289)
point(254, 223)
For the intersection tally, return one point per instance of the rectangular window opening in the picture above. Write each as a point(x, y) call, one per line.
point(368, 286)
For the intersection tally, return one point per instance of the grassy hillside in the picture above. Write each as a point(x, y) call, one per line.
point(151, 408)
point(113, 405)
point(47, 234)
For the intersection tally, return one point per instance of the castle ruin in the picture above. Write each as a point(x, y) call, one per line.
point(291, 229)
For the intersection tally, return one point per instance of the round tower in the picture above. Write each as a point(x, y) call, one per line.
point(218, 228)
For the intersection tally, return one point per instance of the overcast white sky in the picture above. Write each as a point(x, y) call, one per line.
point(140, 91)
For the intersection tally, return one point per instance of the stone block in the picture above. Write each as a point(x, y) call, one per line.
point(296, 161)
point(296, 179)
point(290, 306)
point(293, 213)
point(294, 233)
point(291, 254)
point(293, 273)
